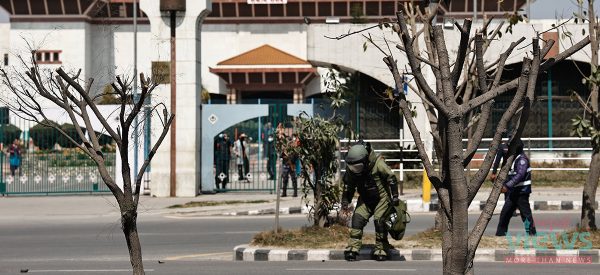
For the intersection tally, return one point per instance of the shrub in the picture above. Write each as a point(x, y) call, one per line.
point(71, 131)
point(44, 136)
point(104, 139)
point(10, 133)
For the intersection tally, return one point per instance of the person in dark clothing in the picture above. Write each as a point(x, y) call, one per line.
point(271, 154)
point(517, 189)
point(222, 158)
point(288, 169)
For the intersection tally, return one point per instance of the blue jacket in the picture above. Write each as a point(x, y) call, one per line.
point(519, 175)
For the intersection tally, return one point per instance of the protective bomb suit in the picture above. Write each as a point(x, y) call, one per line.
point(378, 190)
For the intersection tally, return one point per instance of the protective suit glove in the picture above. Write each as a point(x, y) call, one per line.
point(344, 206)
point(395, 201)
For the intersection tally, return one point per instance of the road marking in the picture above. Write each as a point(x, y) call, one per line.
point(348, 269)
point(175, 258)
point(218, 217)
point(82, 270)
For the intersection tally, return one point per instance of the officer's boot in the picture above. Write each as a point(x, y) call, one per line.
point(381, 242)
point(350, 256)
point(354, 244)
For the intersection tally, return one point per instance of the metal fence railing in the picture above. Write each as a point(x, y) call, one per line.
point(573, 154)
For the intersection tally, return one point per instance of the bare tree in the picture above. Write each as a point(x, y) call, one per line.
point(29, 91)
point(451, 106)
point(589, 123)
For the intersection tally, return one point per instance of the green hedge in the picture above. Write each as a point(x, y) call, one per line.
point(44, 136)
point(9, 133)
point(72, 132)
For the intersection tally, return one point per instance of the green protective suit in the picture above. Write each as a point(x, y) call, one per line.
point(376, 190)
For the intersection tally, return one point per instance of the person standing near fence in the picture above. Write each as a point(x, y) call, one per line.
point(14, 156)
point(222, 158)
point(288, 169)
point(271, 154)
point(241, 153)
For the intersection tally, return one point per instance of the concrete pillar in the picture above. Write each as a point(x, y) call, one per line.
point(231, 96)
point(298, 96)
point(188, 97)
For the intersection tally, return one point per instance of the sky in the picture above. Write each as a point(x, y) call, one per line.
point(552, 9)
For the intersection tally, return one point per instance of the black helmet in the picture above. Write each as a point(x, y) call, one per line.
point(357, 159)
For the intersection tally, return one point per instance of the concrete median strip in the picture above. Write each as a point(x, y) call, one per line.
point(418, 206)
point(519, 256)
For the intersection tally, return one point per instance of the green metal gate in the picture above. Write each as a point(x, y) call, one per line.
point(47, 167)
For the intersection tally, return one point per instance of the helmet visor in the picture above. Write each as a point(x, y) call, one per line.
point(356, 168)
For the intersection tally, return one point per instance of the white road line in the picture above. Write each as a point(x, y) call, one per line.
point(348, 269)
point(82, 270)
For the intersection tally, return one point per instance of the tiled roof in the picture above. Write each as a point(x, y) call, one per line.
point(264, 55)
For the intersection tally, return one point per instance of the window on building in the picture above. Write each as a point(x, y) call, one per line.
point(308, 9)
point(245, 10)
point(5, 59)
point(325, 9)
point(292, 9)
point(48, 57)
point(340, 9)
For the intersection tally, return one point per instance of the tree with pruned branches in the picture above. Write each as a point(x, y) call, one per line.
point(463, 95)
point(32, 90)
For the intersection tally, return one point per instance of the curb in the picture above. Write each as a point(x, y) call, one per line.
point(418, 206)
point(270, 211)
point(246, 253)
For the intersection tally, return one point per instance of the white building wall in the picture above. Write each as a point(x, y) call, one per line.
point(223, 41)
point(69, 37)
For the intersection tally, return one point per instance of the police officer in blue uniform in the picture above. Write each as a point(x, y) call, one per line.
point(517, 189)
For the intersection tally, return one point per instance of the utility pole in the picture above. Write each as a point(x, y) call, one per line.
point(173, 6)
point(135, 94)
point(173, 178)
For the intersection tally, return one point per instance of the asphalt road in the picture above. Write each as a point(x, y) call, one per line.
point(62, 243)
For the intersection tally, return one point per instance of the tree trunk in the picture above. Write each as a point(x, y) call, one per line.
point(319, 217)
point(446, 240)
point(459, 200)
point(129, 224)
point(588, 218)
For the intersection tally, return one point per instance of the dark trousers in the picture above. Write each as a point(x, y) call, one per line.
point(286, 172)
point(271, 167)
point(222, 167)
point(243, 169)
point(14, 168)
point(512, 201)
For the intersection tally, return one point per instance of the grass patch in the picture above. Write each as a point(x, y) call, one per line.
point(214, 203)
point(333, 237)
point(336, 237)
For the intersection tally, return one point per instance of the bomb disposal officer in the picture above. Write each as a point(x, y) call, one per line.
point(378, 190)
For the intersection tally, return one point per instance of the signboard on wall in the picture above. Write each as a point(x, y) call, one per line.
point(251, 2)
point(161, 71)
